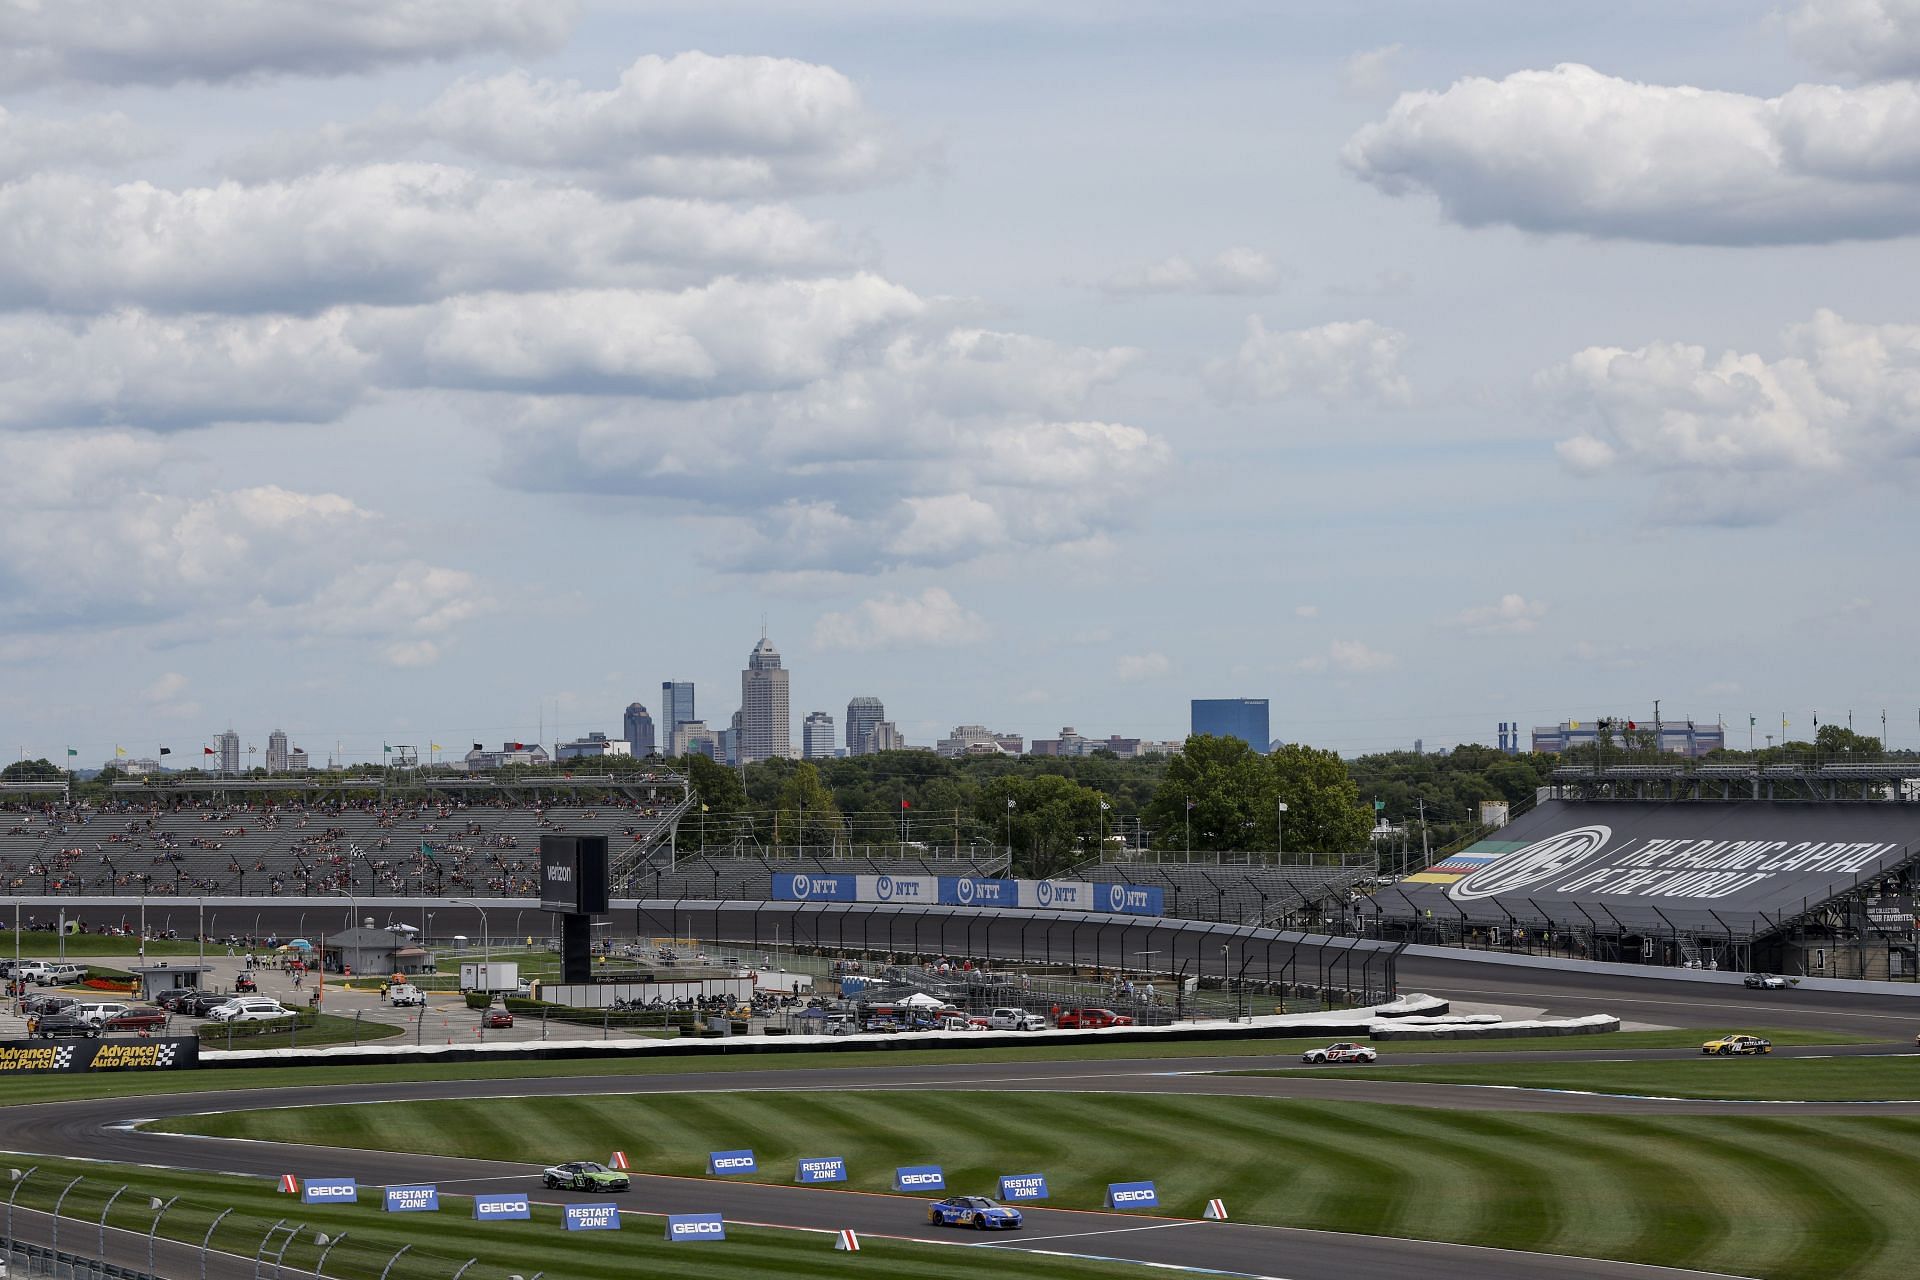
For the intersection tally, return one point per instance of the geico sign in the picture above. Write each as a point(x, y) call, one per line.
point(1122, 1197)
point(698, 1229)
point(734, 1162)
point(330, 1193)
point(503, 1206)
point(919, 1179)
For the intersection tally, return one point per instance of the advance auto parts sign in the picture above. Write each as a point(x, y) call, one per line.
point(20, 1056)
point(1661, 869)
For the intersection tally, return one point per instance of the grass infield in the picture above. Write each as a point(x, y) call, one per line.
point(1794, 1198)
point(1722, 1079)
point(441, 1242)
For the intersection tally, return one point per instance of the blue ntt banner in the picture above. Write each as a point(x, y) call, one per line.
point(919, 1177)
point(801, 886)
point(1131, 899)
point(820, 1169)
point(977, 891)
point(592, 1217)
point(421, 1199)
point(1132, 1195)
point(503, 1208)
point(1023, 1186)
point(691, 1228)
point(329, 1191)
point(727, 1164)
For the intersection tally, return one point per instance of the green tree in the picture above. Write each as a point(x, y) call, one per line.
point(1220, 787)
point(805, 811)
point(1324, 813)
point(1053, 821)
point(31, 771)
point(720, 799)
point(1837, 739)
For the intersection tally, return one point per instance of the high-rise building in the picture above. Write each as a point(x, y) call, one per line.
point(816, 737)
point(229, 754)
point(885, 736)
point(862, 715)
point(766, 728)
point(297, 760)
point(676, 705)
point(1242, 718)
point(691, 736)
point(277, 751)
point(637, 728)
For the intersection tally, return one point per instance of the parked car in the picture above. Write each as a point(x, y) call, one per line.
point(496, 1018)
point(201, 1004)
point(34, 971)
point(839, 1024)
point(61, 1026)
point(1015, 1020)
point(51, 1004)
point(138, 1018)
point(405, 994)
point(171, 1000)
point(960, 1022)
point(1091, 1019)
point(250, 1009)
point(98, 1011)
point(62, 975)
point(1766, 981)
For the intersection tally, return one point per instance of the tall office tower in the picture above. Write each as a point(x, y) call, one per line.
point(637, 728)
point(277, 751)
point(766, 730)
point(676, 705)
point(862, 715)
point(816, 737)
point(229, 752)
point(1242, 718)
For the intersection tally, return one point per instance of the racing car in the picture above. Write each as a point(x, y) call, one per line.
point(1765, 981)
point(1342, 1052)
point(585, 1175)
point(1727, 1046)
point(973, 1211)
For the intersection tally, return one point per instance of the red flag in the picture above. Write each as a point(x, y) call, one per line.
point(1632, 725)
point(206, 751)
point(905, 805)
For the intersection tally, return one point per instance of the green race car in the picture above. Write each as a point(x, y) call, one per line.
point(585, 1175)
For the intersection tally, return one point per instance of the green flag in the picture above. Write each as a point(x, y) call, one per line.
point(72, 752)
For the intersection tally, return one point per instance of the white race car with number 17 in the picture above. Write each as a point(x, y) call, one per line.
point(1342, 1052)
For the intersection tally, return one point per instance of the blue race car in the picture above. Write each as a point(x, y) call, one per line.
point(973, 1211)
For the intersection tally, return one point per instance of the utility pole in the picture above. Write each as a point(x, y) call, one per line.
point(1425, 856)
point(1656, 728)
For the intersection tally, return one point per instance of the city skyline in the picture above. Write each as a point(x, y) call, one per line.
point(1383, 361)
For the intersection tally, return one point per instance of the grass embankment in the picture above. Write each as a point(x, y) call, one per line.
point(1888, 1079)
point(441, 1242)
point(45, 945)
point(314, 1032)
point(54, 1088)
point(1797, 1198)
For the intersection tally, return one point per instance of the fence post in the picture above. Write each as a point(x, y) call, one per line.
point(104, 1211)
point(357, 1015)
point(463, 1270)
point(19, 1179)
point(390, 1261)
point(207, 1243)
point(56, 1210)
point(291, 1236)
point(155, 1228)
point(319, 1268)
point(260, 1254)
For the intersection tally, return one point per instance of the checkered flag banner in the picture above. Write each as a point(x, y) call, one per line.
point(164, 1057)
point(63, 1057)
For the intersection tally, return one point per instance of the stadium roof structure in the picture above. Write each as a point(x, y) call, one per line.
point(503, 786)
point(1813, 778)
point(1736, 869)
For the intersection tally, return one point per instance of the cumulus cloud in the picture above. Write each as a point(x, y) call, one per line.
point(1512, 615)
point(692, 124)
point(931, 620)
point(1873, 38)
point(1840, 397)
point(116, 42)
point(1371, 72)
point(1351, 657)
point(29, 144)
point(1133, 668)
point(1340, 362)
point(383, 234)
point(1573, 150)
point(1239, 270)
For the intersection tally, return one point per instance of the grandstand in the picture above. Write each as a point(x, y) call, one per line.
point(261, 837)
point(734, 875)
point(1276, 894)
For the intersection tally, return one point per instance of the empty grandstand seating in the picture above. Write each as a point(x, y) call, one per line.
point(1235, 893)
point(750, 878)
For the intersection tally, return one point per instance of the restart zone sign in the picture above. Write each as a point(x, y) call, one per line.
point(592, 1217)
point(422, 1199)
point(693, 1228)
point(820, 1169)
point(1023, 1186)
point(21, 1057)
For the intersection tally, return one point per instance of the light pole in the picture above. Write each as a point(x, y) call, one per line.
point(1280, 829)
point(486, 934)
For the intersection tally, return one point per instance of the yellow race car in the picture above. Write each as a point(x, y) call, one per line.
point(1730, 1046)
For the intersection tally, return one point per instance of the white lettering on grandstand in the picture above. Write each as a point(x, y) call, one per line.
point(1681, 868)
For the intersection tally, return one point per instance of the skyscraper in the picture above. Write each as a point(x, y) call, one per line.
point(816, 737)
point(229, 752)
point(676, 705)
point(862, 715)
point(765, 723)
point(637, 728)
point(277, 751)
point(1242, 718)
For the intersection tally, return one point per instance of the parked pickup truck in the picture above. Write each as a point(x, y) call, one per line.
point(1015, 1020)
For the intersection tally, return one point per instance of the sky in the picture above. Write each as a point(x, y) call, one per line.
point(442, 371)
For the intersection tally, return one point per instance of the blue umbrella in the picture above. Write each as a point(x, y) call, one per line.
point(301, 943)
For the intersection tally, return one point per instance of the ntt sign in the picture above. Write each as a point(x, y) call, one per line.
point(972, 891)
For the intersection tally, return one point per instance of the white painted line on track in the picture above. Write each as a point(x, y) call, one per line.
point(1112, 1231)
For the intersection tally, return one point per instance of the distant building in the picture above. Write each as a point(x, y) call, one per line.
point(636, 726)
point(816, 737)
point(693, 737)
point(227, 754)
point(766, 725)
point(1681, 739)
point(676, 705)
point(480, 760)
point(277, 751)
point(1072, 743)
point(1242, 718)
point(297, 760)
point(975, 740)
point(884, 736)
point(594, 746)
point(862, 715)
point(135, 767)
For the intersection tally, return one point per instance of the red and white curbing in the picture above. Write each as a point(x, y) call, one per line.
point(1216, 1211)
point(619, 1160)
point(289, 1185)
point(846, 1241)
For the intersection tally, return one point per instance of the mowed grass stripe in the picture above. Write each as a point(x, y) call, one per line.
point(1749, 1196)
point(1846, 1079)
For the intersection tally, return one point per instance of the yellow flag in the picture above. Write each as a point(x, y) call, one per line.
point(119, 751)
point(703, 808)
point(1573, 724)
point(435, 746)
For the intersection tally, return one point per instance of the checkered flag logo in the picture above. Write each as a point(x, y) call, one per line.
point(164, 1057)
point(63, 1057)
